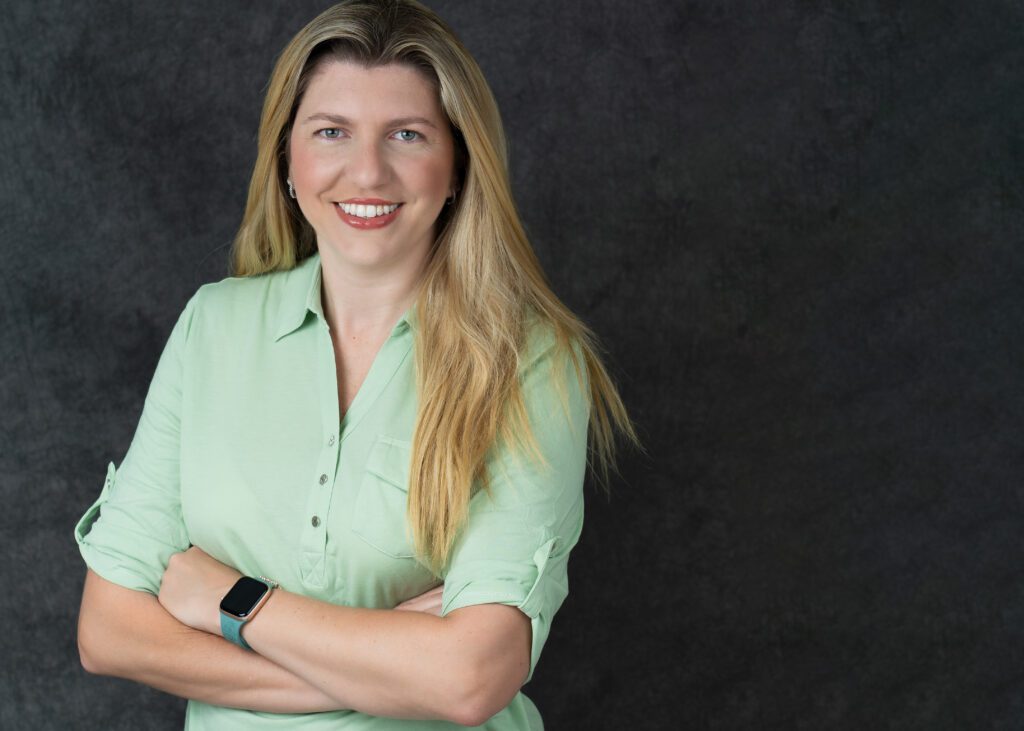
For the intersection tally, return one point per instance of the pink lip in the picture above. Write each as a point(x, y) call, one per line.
point(367, 223)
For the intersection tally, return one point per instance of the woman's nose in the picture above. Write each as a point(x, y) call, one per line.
point(368, 166)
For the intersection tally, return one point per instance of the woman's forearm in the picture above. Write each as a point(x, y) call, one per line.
point(385, 663)
point(128, 634)
point(462, 668)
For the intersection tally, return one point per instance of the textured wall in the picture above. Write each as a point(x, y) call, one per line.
point(797, 227)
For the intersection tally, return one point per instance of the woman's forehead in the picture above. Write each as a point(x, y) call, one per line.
point(351, 88)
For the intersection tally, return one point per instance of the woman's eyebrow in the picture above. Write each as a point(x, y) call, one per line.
point(338, 119)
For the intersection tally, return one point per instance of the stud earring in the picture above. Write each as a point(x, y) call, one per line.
point(451, 200)
point(291, 188)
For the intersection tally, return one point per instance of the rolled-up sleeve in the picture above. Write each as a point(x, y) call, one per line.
point(514, 548)
point(128, 534)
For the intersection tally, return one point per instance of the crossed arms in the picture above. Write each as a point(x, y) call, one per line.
point(309, 655)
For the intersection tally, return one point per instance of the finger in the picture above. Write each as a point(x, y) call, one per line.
point(430, 595)
point(419, 604)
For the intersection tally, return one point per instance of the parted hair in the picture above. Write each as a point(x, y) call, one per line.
point(482, 289)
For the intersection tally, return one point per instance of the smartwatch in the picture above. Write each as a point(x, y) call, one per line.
point(239, 605)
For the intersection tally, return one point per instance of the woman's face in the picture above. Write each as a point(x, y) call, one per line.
point(372, 160)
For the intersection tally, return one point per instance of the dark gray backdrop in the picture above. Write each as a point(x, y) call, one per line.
point(796, 226)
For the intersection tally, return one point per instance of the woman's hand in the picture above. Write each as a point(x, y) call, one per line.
point(429, 602)
point(192, 587)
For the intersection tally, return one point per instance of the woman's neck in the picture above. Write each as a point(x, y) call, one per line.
point(364, 304)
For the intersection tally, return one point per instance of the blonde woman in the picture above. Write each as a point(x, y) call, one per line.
point(358, 473)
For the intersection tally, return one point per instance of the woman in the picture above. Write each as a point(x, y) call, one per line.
point(385, 408)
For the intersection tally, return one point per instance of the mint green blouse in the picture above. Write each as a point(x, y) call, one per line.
point(240, 451)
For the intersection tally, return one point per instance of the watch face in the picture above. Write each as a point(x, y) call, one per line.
point(244, 595)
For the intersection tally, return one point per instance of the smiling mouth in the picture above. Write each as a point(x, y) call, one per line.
point(368, 215)
point(363, 210)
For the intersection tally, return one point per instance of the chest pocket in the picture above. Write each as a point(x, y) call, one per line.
point(379, 515)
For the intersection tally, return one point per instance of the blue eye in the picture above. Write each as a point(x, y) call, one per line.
point(408, 132)
point(331, 133)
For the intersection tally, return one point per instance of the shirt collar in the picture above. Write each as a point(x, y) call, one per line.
point(302, 296)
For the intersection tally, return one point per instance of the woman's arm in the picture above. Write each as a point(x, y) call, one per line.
point(463, 667)
point(127, 634)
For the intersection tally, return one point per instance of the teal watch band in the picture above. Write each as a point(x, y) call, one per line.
point(240, 605)
point(231, 628)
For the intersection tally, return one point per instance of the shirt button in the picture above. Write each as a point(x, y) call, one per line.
point(323, 479)
point(330, 442)
point(315, 521)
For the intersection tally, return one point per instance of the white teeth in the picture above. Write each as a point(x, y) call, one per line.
point(364, 211)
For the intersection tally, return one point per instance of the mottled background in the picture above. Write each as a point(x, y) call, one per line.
point(797, 228)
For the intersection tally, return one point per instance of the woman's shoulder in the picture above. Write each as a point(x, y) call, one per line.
point(544, 344)
point(237, 305)
point(234, 290)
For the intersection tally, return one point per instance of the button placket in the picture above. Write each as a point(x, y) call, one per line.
point(314, 532)
point(324, 485)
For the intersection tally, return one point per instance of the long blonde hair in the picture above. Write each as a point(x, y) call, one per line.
point(482, 286)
